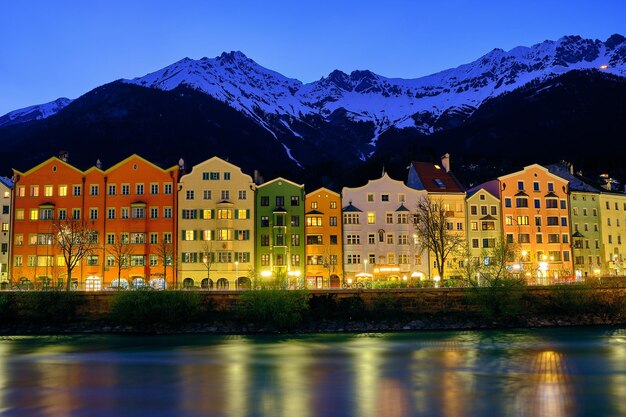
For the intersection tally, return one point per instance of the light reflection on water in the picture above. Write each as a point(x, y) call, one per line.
point(550, 372)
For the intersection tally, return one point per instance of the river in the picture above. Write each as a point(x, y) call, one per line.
point(546, 372)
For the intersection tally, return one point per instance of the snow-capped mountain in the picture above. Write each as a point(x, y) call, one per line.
point(36, 112)
point(340, 114)
point(263, 94)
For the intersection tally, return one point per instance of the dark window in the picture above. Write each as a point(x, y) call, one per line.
point(295, 200)
point(280, 201)
point(265, 201)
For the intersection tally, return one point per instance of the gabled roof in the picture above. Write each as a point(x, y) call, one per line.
point(529, 167)
point(280, 179)
point(323, 190)
point(351, 209)
point(313, 212)
point(521, 194)
point(488, 217)
point(492, 187)
point(8, 182)
point(435, 179)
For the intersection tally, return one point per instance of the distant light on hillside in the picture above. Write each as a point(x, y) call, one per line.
point(604, 66)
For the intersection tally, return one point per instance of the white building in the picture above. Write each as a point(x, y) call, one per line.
point(5, 219)
point(378, 233)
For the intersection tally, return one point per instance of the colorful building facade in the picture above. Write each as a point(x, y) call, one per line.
point(444, 189)
point(216, 226)
point(6, 185)
point(378, 233)
point(279, 231)
point(612, 232)
point(324, 251)
point(484, 222)
point(536, 217)
point(129, 208)
point(584, 209)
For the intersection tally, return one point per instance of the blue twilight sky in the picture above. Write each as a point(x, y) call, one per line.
point(51, 49)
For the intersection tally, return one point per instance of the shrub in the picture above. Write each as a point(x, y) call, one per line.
point(501, 301)
point(580, 299)
point(387, 306)
point(48, 307)
point(352, 308)
point(322, 306)
point(274, 308)
point(153, 308)
point(572, 299)
point(7, 307)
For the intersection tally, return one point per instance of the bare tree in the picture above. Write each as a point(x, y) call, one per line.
point(435, 232)
point(76, 241)
point(121, 249)
point(207, 258)
point(493, 269)
point(164, 251)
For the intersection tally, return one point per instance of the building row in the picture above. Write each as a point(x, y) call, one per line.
point(215, 227)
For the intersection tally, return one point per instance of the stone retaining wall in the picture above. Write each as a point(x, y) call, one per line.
point(413, 300)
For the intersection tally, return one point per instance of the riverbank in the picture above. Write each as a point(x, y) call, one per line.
point(327, 326)
point(326, 311)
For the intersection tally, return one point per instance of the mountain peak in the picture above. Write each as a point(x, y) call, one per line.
point(614, 40)
point(233, 56)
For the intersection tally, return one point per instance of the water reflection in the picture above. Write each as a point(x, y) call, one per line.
point(524, 373)
point(549, 390)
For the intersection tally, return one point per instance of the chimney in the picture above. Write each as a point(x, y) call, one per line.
point(98, 164)
point(64, 156)
point(257, 178)
point(445, 162)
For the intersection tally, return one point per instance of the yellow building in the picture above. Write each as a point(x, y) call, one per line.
point(216, 226)
point(484, 222)
point(612, 232)
point(323, 239)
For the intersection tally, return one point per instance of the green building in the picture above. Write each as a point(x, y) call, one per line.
point(279, 226)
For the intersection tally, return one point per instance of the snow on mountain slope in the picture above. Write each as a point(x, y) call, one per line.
point(246, 86)
point(36, 112)
point(281, 104)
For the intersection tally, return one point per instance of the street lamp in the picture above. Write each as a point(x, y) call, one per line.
point(236, 273)
point(365, 266)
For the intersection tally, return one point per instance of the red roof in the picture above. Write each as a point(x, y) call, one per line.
point(435, 179)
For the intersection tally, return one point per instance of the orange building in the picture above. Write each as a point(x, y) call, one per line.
point(323, 239)
point(536, 217)
point(130, 206)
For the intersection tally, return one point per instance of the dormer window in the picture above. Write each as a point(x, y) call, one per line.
point(439, 183)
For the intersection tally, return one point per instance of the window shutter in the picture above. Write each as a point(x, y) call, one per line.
point(247, 213)
point(236, 234)
point(182, 236)
point(236, 213)
point(212, 234)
